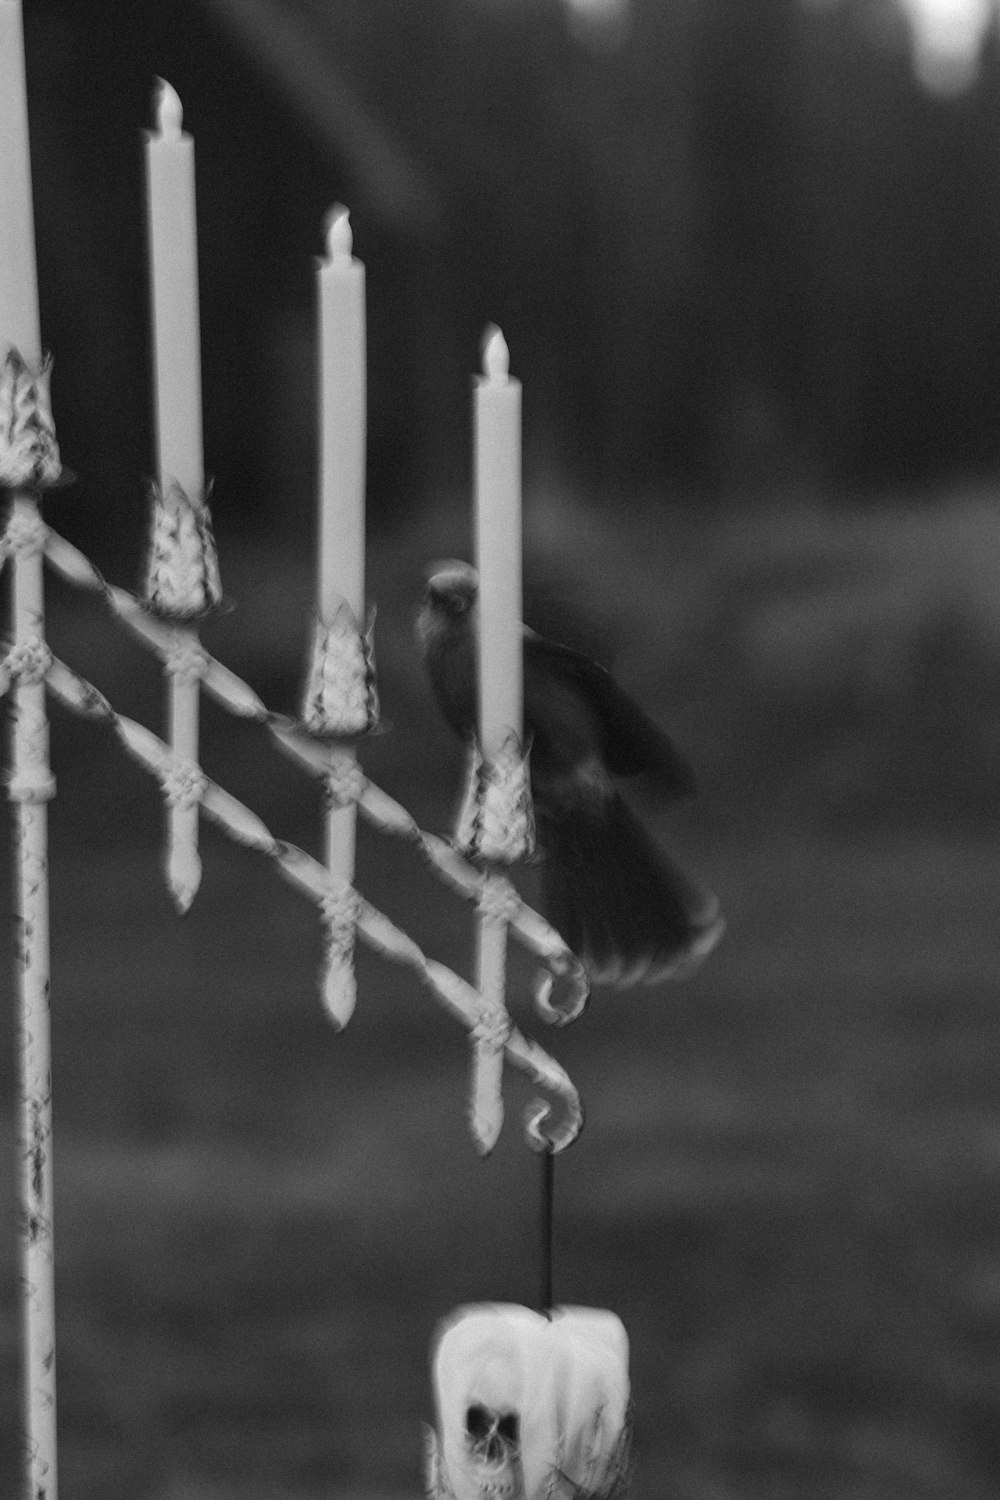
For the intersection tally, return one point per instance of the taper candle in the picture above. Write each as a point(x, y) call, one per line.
point(342, 416)
point(173, 261)
point(341, 581)
point(498, 546)
point(18, 280)
point(497, 438)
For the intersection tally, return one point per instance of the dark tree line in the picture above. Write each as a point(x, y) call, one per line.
point(743, 250)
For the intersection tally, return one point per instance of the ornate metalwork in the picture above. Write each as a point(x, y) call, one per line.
point(496, 821)
point(182, 575)
point(29, 453)
point(340, 699)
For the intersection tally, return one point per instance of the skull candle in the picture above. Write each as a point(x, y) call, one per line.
point(529, 1407)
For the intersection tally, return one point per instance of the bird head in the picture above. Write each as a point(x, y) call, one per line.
point(449, 599)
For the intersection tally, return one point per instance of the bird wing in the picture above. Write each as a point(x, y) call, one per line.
point(631, 743)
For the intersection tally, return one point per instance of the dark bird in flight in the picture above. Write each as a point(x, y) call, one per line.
point(617, 899)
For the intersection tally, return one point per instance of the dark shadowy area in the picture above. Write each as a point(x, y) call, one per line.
point(746, 269)
point(742, 251)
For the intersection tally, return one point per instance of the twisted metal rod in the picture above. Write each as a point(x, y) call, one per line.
point(561, 991)
point(344, 913)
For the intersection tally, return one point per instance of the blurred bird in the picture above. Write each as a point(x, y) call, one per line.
point(617, 899)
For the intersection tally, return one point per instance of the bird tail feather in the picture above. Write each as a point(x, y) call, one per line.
point(621, 904)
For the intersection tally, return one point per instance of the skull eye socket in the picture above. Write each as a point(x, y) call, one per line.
point(507, 1427)
point(477, 1422)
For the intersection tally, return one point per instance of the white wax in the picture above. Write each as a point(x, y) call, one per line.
point(18, 278)
point(342, 417)
point(173, 257)
point(498, 548)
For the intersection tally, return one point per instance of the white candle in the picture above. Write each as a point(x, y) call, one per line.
point(497, 437)
point(342, 415)
point(559, 1384)
point(498, 546)
point(18, 280)
point(173, 260)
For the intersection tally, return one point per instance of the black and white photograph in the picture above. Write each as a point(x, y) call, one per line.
point(500, 683)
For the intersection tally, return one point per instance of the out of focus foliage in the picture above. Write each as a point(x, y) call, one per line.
point(740, 250)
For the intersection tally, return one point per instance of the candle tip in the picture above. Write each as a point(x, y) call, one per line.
point(169, 111)
point(496, 356)
point(339, 237)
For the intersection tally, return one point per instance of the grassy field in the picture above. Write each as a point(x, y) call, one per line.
point(788, 1181)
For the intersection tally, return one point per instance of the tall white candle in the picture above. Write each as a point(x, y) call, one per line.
point(18, 280)
point(498, 546)
point(342, 416)
point(497, 439)
point(173, 260)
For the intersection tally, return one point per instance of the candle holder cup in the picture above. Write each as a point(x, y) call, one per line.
point(182, 582)
point(340, 699)
point(29, 453)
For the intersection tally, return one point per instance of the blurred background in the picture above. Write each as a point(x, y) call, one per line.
point(744, 253)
